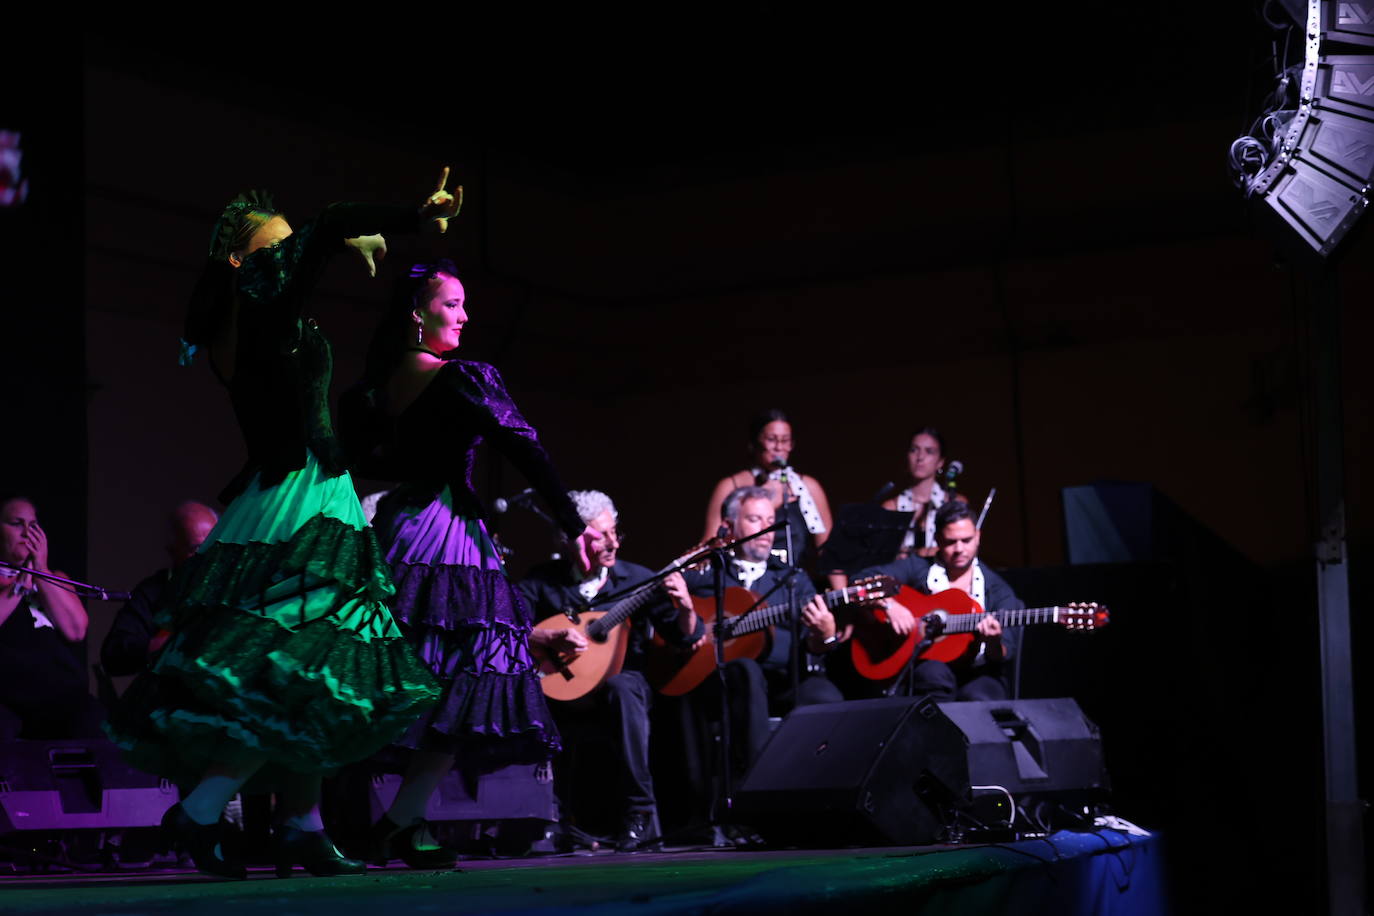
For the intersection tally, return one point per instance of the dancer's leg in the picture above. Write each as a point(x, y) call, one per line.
point(298, 802)
point(427, 769)
point(221, 782)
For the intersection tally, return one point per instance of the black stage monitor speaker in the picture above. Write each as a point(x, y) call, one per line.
point(866, 772)
point(1032, 747)
point(895, 771)
point(65, 785)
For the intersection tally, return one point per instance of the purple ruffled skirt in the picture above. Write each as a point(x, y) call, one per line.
point(470, 626)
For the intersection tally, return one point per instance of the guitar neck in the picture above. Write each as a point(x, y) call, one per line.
point(620, 612)
point(1021, 617)
point(771, 614)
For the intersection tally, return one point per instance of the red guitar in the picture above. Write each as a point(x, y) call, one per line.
point(673, 673)
point(880, 654)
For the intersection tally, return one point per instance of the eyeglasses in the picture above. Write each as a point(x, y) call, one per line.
point(776, 440)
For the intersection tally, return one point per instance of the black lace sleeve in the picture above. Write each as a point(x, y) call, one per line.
point(285, 274)
point(500, 422)
point(339, 222)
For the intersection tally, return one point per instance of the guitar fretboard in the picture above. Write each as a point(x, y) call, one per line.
point(770, 614)
point(966, 623)
point(622, 609)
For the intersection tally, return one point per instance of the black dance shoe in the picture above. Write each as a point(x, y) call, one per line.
point(386, 840)
point(206, 844)
point(314, 850)
point(637, 834)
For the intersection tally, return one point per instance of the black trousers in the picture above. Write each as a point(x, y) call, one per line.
point(938, 680)
point(618, 710)
point(753, 693)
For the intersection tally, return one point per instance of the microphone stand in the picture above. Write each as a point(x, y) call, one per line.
point(527, 503)
point(721, 629)
point(679, 566)
point(80, 589)
point(930, 626)
point(794, 617)
point(726, 799)
point(987, 504)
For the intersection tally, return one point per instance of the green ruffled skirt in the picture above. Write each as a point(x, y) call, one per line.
point(281, 642)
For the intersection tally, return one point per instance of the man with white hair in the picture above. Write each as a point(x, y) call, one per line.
point(621, 704)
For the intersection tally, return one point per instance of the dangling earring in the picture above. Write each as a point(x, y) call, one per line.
point(419, 333)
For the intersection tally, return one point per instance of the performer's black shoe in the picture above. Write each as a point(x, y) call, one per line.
point(386, 840)
point(206, 844)
point(314, 850)
point(637, 834)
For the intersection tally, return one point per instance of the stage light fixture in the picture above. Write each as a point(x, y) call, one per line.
point(1319, 166)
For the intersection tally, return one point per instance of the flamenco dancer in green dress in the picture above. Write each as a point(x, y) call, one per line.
point(284, 662)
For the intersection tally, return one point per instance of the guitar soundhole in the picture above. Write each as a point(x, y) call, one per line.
point(596, 635)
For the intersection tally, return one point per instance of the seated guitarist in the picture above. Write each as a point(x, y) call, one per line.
point(984, 671)
point(755, 686)
point(621, 704)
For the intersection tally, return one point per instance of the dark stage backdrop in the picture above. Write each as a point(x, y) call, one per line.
point(1069, 295)
point(43, 391)
point(1057, 330)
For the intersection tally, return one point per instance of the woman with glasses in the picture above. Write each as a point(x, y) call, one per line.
point(798, 498)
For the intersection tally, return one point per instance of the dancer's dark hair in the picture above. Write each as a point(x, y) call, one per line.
point(364, 425)
point(396, 332)
point(210, 311)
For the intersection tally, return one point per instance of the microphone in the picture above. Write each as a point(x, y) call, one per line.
point(884, 492)
point(519, 499)
point(953, 470)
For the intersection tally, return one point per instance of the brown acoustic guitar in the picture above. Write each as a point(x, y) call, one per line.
point(950, 617)
point(566, 677)
point(673, 672)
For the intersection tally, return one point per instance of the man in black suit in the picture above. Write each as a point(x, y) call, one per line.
point(984, 671)
point(758, 688)
point(621, 704)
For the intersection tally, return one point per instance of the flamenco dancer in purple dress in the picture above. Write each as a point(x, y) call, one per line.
point(284, 662)
point(418, 418)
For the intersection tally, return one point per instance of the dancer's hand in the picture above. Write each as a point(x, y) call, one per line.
point(441, 206)
point(588, 546)
point(371, 248)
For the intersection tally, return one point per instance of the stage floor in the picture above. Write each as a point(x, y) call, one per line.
point(1104, 872)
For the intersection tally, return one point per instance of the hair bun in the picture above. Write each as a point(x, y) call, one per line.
point(230, 222)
